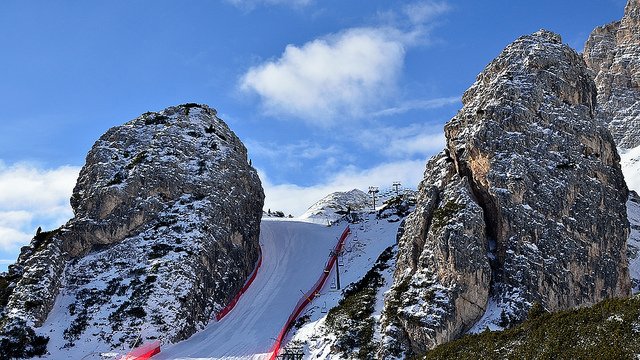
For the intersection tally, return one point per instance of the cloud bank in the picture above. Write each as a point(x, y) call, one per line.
point(30, 197)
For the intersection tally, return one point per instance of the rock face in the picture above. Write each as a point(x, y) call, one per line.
point(613, 53)
point(526, 203)
point(167, 214)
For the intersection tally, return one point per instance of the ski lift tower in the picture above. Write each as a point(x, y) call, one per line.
point(337, 255)
point(373, 190)
point(396, 186)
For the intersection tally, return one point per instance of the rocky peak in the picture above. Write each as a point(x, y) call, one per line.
point(612, 52)
point(629, 31)
point(133, 171)
point(524, 203)
point(167, 214)
point(335, 205)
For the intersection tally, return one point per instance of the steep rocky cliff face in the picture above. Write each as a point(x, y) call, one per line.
point(613, 53)
point(167, 213)
point(526, 204)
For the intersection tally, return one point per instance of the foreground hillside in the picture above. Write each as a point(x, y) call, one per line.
point(607, 330)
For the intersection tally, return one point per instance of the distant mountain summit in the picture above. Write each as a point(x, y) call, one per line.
point(335, 205)
point(167, 214)
point(525, 205)
point(613, 53)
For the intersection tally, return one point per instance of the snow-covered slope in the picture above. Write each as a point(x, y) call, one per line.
point(630, 163)
point(294, 254)
point(373, 238)
point(633, 245)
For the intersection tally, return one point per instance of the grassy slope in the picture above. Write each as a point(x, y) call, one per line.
point(607, 330)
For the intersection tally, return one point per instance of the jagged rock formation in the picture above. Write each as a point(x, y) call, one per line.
point(527, 202)
point(167, 213)
point(613, 53)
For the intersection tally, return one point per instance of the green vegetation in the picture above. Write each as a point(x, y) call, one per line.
point(159, 250)
point(5, 289)
point(142, 156)
point(43, 238)
point(188, 106)
point(154, 119)
point(301, 321)
point(117, 179)
point(39, 242)
point(20, 341)
point(607, 330)
point(32, 304)
point(352, 321)
point(442, 215)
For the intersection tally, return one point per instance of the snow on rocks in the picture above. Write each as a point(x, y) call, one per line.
point(526, 200)
point(167, 213)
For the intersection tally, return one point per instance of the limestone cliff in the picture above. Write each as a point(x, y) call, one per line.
point(613, 53)
point(526, 203)
point(167, 213)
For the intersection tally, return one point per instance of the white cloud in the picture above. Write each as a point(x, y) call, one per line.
point(418, 144)
point(416, 19)
point(401, 142)
point(295, 200)
point(302, 154)
point(422, 12)
point(346, 75)
point(12, 239)
point(418, 105)
point(30, 197)
point(301, 149)
point(342, 74)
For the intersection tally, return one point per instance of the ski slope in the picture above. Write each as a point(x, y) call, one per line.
point(294, 254)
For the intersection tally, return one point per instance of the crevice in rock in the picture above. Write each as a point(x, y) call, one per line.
point(490, 213)
point(495, 249)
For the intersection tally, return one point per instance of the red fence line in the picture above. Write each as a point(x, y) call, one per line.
point(143, 352)
point(308, 297)
point(236, 298)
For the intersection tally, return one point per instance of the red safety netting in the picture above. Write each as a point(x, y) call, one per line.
point(236, 298)
point(143, 352)
point(309, 295)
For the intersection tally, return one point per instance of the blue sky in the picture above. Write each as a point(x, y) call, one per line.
point(327, 95)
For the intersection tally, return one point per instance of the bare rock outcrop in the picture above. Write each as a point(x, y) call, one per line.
point(167, 214)
point(526, 203)
point(613, 53)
